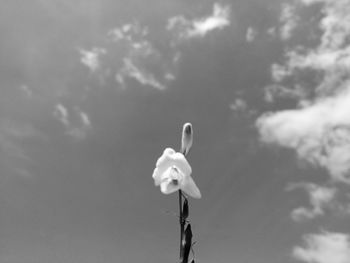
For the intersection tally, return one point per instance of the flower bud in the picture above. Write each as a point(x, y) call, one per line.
point(187, 138)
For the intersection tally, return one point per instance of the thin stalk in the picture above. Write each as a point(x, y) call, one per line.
point(182, 225)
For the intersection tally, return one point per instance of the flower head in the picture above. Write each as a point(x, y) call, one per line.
point(173, 173)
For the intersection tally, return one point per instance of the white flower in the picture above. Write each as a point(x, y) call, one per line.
point(173, 173)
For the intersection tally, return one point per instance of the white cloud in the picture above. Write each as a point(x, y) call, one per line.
point(77, 127)
point(250, 34)
point(61, 113)
point(321, 197)
point(199, 27)
point(326, 247)
point(141, 75)
point(274, 91)
point(279, 72)
point(332, 55)
point(130, 32)
point(319, 132)
point(91, 58)
point(239, 105)
point(132, 55)
point(318, 129)
point(85, 119)
point(289, 21)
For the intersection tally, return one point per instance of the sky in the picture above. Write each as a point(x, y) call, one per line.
point(92, 92)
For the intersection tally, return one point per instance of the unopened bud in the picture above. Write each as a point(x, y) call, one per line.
point(187, 138)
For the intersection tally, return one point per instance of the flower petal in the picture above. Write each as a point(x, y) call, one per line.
point(180, 161)
point(167, 186)
point(162, 165)
point(190, 187)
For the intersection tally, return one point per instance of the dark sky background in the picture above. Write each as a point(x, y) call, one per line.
point(92, 92)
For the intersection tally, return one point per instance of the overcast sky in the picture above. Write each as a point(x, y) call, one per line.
point(92, 92)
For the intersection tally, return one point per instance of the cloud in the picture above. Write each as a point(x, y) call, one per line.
point(131, 32)
point(13, 154)
point(326, 247)
point(199, 27)
point(250, 34)
point(274, 91)
point(91, 58)
point(141, 75)
point(319, 132)
point(85, 119)
point(332, 56)
point(317, 76)
point(321, 197)
point(61, 113)
point(77, 128)
point(289, 21)
point(131, 55)
point(279, 72)
point(319, 129)
point(26, 91)
point(239, 105)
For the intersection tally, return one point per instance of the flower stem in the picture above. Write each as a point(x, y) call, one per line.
point(182, 225)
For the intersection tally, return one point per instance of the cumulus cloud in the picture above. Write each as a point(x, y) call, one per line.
point(319, 132)
point(76, 126)
point(319, 129)
point(332, 56)
point(199, 27)
point(321, 197)
point(326, 247)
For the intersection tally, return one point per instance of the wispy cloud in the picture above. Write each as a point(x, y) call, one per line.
point(326, 247)
point(13, 154)
point(251, 34)
point(131, 55)
point(321, 197)
point(289, 21)
point(141, 75)
point(199, 27)
point(275, 91)
point(61, 113)
point(91, 58)
point(77, 128)
point(239, 105)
